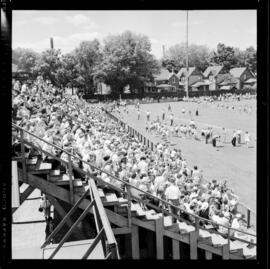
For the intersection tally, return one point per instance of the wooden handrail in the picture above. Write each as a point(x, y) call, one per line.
point(102, 214)
point(124, 182)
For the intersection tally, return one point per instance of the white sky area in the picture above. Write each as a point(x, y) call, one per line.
point(33, 29)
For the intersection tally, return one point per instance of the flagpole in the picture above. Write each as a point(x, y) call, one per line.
point(187, 56)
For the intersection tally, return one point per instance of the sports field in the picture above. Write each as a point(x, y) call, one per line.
point(236, 164)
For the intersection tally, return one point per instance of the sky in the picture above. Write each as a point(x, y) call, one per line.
point(33, 29)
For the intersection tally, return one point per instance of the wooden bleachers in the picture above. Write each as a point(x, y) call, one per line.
point(128, 215)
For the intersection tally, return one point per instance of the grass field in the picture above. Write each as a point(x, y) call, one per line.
point(236, 164)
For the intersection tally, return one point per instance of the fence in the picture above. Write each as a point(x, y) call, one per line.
point(165, 94)
point(248, 215)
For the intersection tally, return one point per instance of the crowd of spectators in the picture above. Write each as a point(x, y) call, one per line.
point(86, 131)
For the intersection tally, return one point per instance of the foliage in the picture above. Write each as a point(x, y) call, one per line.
point(48, 65)
point(127, 61)
point(224, 55)
point(26, 60)
point(176, 57)
point(88, 55)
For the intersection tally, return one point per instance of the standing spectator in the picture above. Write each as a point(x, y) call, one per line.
point(173, 194)
point(247, 138)
point(163, 114)
point(171, 119)
point(148, 115)
point(239, 133)
point(234, 138)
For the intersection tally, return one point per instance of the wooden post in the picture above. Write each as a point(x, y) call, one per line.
point(225, 252)
point(135, 242)
point(197, 225)
point(159, 238)
point(23, 157)
point(248, 218)
point(176, 249)
point(208, 255)
point(129, 206)
point(193, 236)
point(70, 180)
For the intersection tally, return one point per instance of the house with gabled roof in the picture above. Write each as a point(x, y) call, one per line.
point(242, 76)
point(214, 75)
point(193, 74)
point(166, 80)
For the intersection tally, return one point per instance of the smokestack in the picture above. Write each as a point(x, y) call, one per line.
point(51, 39)
point(163, 48)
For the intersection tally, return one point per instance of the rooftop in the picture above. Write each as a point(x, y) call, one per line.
point(214, 70)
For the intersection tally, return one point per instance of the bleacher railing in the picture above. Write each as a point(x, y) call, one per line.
point(126, 191)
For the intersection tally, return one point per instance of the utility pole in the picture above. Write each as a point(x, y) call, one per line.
point(51, 41)
point(187, 57)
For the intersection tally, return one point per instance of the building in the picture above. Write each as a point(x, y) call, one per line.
point(214, 75)
point(102, 88)
point(193, 75)
point(243, 76)
point(19, 74)
point(166, 80)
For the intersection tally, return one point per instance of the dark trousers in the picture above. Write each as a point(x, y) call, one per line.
point(174, 210)
point(234, 141)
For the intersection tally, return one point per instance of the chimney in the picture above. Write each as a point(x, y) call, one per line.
point(51, 39)
point(163, 49)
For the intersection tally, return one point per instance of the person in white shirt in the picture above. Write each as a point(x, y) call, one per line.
point(235, 224)
point(247, 138)
point(173, 194)
point(143, 166)
point(148, 115)
point(223, 221)
point(171, 119)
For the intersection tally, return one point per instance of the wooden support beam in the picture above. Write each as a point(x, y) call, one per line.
point(26, 193)
point(150, 225)
point(62, 194)
point(135, 242)
point(123, 230)
point(61, 211)
point(193, 237)
point(213, 250)
point(179, 237)
point(208, 255)
point(176, 249)
point(159, 238)
point(225, 252)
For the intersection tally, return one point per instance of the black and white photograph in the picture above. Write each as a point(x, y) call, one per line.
point(134, 134)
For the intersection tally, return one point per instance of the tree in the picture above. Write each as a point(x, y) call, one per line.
point(127, 61)
point(225, 56)
point(26, 59)
point(68, 73)
point(89, 56)
point(198, 55)
point(48, 66)
point(251, 58)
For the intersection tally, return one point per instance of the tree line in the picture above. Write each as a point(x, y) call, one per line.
point(122, 59)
